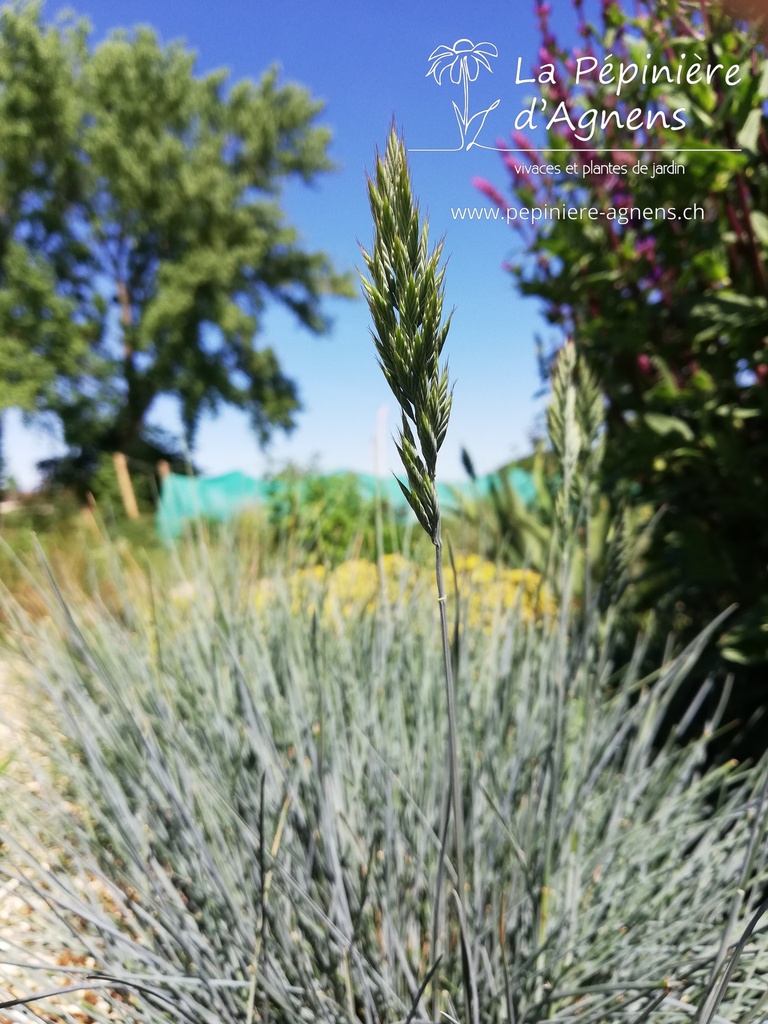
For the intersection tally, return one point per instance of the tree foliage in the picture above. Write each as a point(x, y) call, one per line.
point(141, 232)
point(40, 182)
point(671, 313)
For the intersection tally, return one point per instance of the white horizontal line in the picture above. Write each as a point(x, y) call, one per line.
point(611, 149)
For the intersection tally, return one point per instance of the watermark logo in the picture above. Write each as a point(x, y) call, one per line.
point(463, 62)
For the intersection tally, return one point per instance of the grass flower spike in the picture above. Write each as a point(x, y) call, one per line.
point(405, 297)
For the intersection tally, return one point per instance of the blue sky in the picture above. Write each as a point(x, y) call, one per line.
point(368, 61)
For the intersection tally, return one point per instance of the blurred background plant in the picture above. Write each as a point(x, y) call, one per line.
point(79, 545)
point(670, 314)
point(516, 532)
point(329, 518)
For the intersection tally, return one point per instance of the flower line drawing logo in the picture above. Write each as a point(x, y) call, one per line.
point(463, 61)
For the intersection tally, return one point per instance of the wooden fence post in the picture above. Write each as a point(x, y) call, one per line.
point(125, 485)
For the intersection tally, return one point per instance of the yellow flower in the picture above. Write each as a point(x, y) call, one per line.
point(354, 588)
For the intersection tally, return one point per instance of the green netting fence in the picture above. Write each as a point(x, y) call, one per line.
point(221, 498)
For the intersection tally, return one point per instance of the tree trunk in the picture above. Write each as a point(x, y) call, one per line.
point(130, 419)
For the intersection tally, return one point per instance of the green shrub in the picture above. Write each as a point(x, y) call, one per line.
point(672, 320)
point(329, 518)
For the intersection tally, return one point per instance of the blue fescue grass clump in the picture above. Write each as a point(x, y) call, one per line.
point(242, 810)
point(241, 817)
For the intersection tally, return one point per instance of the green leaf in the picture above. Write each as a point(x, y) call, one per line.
point(662, 424)
point(748, 136)
point(760, 225)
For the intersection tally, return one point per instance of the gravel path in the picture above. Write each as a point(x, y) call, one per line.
point(11, 709)
point(19, 940)
point(15, 927)
point(16, 933)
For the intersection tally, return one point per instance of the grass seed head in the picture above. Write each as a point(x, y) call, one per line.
point(404, 291)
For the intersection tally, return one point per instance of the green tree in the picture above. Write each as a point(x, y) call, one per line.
point(670, 309)
point(143, 233)
point(42, 328)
